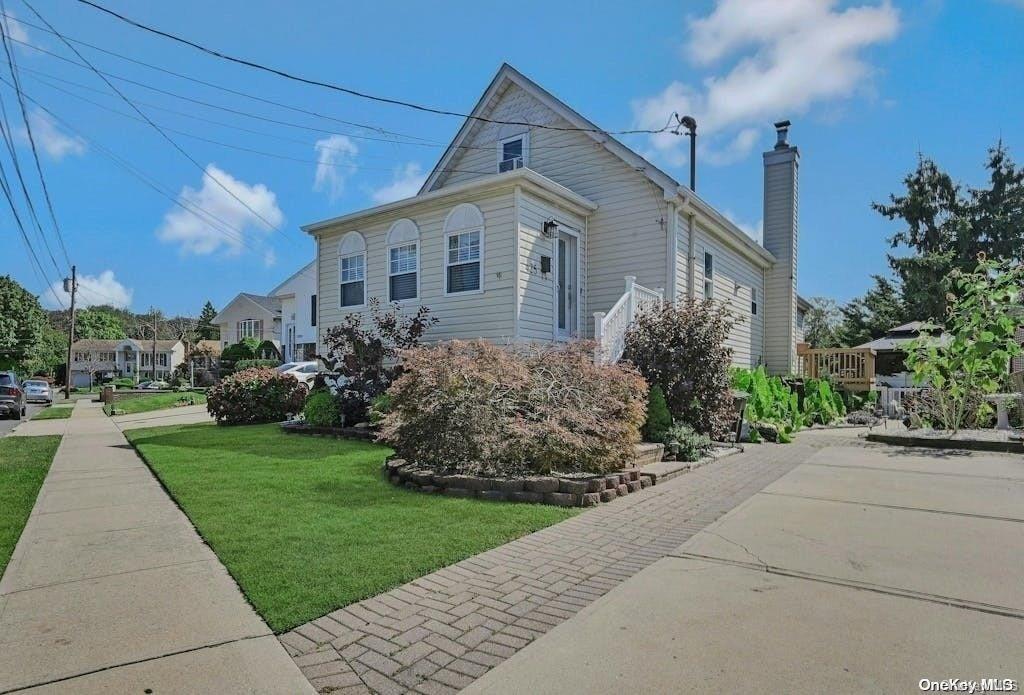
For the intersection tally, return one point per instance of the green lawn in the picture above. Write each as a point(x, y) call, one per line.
point(307, 525)
point(158, 401)
point(23, 465)
point(54, 412)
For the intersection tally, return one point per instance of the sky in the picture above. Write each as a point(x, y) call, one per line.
point(867, 84)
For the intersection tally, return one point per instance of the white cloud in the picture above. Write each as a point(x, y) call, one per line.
point(93, 290)
point(405, 183)
point(220, 222)
point(15, 29)
point(53, 141)
point(335, 156)
point(788, 56)
point(269, 258)
point(754, 231)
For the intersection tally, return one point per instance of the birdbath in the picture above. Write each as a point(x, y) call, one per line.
point(1001, 399)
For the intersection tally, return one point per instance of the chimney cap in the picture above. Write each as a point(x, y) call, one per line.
point(782, 130)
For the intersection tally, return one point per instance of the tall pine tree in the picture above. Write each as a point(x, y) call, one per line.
point(206, 329)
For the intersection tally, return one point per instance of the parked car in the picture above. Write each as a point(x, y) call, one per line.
point(37, 391)
point(305, 372)
point(155, 385)
point(12, 397)
point(143, 384)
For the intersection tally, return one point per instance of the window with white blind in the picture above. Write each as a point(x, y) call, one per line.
point(352, 271)
point(353, 280)
point(753, 301)
point(464, 250)
point(403, 261)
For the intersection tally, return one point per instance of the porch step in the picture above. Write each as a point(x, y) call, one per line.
point(648, 453)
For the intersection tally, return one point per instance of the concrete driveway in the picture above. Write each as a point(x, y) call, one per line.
point(867, 568)
point(6, 425)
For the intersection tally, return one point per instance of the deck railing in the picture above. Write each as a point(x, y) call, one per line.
point(610, 327)
point(853, 368)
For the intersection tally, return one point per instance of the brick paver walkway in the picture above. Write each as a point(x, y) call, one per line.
point(440, 632)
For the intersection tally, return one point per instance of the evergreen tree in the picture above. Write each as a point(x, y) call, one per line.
point(207, 330)
point(822, 322)
point(872, 315)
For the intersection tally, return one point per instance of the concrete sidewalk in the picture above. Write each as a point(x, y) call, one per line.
point(865, 569)
point(187, 415)
point(110, 589)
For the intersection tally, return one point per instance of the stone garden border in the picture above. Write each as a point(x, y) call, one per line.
point(935, 441)
point(541, 489)
point(298, 427)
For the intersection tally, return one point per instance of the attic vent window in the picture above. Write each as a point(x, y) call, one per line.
point(512, 152)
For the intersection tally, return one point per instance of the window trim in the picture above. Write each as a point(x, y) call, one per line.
point(312, 310)
point(525, 137)
point(709, 276)
point(387, 259)
point(352, 307)
point(480, 261)
point(257, 323)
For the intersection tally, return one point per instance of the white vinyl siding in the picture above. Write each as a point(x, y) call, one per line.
point(733, 280)
point(483, 314)
point(626, 235)
point(536, 290)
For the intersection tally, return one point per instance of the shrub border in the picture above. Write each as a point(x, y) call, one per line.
point(543, 489)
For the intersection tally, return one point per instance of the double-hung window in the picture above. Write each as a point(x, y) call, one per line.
point(353, 280)
point(463, 262)
point(512, 152)
point(250, 328)
point(709, 276)
point(403, 266)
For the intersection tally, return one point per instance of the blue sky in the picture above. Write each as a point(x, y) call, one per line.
point(866, 84)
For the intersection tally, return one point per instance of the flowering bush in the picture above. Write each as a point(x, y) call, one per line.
point(682, 349)
point(472, 406)
point(255, 395)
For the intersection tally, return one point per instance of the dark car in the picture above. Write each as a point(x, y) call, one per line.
point(12, 397)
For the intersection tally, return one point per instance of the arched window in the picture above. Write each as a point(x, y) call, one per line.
point(352, 270)
point(403, 261)
point(464, 250)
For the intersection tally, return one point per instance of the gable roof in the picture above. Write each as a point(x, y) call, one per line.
point(507, 74)
point(270, 305)
point(309, 268)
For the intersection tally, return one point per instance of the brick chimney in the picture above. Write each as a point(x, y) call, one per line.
point(781, 165)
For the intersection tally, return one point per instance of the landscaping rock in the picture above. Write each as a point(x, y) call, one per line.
point(395, 480)
point(507, 484)
point(422, 477)
point(609, 494)
point(612, 481)
point(630, 475)
point(559, 499)
point(596, 485)
point(623, 490)
point(526, 496)
point(574, 487)
point(395, 463)
point(429, 489)
point(497, 495)
point(590, 499)
point(459, 492)
point(646, 481)
point(634, 485)
point(541, 484)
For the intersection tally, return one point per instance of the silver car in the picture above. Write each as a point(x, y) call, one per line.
point(37, 391)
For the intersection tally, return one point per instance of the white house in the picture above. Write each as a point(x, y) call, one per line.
point(129, 358)
point(529, 233)
point(286, 316)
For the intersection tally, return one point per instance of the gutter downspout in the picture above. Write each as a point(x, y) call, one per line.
point(691, 256)
point(671, 251)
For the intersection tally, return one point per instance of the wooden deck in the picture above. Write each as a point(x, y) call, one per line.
point(852, 368)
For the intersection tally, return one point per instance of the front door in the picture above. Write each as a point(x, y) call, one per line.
point(566, 285)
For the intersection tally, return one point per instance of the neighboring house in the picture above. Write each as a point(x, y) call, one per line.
point(523, 233)
point(890, 354)
point(103, 359)
point(206, 354)
point(286, 316)
point(298, 314)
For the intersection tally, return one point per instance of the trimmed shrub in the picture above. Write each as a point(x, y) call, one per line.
point(321, 410)
point(474, 407)
point(681, 348)
point(658, 418)
point(253, 396)
point(684, 444)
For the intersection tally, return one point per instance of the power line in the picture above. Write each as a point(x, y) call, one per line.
point(362, 95)
point(28, 131)
point(166, 137)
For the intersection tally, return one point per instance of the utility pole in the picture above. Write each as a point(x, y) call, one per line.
point(152, 359)
point(70, 286)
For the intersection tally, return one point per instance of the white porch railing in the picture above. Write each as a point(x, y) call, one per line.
point(610, 327)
